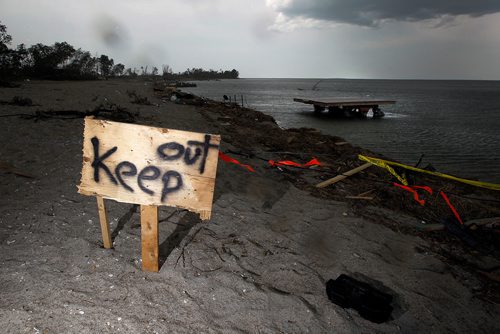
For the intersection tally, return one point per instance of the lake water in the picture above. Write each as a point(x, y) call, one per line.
point(456, 124)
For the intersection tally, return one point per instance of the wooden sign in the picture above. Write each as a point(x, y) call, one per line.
point(149, 166)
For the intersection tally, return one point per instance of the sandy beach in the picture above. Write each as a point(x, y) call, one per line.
point(259, 265)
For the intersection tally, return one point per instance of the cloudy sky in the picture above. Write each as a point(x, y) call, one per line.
point(424, 39)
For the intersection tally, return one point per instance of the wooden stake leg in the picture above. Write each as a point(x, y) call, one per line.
point(103, 218)
point(149, 237)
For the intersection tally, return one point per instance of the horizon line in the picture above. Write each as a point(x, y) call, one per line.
point(340, 78)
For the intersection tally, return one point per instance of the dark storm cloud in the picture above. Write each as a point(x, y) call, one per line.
point(110, 31)
point(372, 12)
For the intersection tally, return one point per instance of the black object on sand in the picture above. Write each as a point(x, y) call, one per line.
point(370, 303)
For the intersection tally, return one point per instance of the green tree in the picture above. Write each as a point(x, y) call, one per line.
point(235, 74)
point(62, 53)
point(5, 38)
point(19, 60)
point(42, 62)
point(82, 65)
point(5, 53)
point(118, 69)
point(106, 64)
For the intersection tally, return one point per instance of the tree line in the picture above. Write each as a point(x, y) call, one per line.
point(58, 61)
point(199, 74)
point(62, 61)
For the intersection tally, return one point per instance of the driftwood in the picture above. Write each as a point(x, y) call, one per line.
point(366, 192)
point(368, 198)
point(343, 176)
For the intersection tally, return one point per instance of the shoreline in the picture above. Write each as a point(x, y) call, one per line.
point(259, 264)
point(406, 132)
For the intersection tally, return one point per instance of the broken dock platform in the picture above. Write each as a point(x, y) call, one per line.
point(347, 107)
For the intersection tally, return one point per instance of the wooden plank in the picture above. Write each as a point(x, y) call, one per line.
point(366, 192)
point(343, 176)
point(149, 166)
point(149, 237)
point(368, 198)
point(103, 218)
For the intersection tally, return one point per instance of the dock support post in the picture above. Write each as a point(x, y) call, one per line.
point(377, 113)
point(318, 109)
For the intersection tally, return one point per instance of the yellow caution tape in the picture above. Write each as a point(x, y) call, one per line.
point(387, 165)
point(383, 164)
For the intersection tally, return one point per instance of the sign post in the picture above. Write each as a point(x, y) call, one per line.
point(149, 237)
point(148, 166)
point(103, 219)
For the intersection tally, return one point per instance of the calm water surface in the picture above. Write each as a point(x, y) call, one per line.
point(456, 124)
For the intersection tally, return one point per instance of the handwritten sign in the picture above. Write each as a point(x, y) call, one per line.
point(149, 166)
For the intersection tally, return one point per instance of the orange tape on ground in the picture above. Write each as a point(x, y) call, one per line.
point(312, 162)
point(230, 160)
point(452, 208)
point(413, 190)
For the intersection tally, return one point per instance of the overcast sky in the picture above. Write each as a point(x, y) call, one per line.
point(426, 39)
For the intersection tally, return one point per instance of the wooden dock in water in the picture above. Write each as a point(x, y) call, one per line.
point(347, 107)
